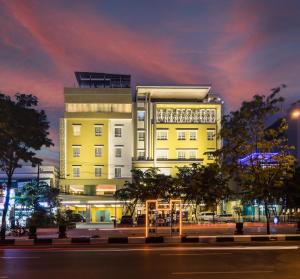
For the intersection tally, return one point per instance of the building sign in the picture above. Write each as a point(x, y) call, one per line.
point(185, 115)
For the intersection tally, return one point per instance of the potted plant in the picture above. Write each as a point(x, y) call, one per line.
point(62, 222)
point(297, 215)
point(239, 225)
point(32, 227)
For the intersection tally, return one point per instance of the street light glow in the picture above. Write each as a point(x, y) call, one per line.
point(296, 114)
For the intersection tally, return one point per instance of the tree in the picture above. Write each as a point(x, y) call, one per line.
point(256, 155)
point(38, 196)
point(23, 131)
point(149, 184)
point(203, 185)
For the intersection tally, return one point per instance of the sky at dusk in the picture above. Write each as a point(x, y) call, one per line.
point(239, 47)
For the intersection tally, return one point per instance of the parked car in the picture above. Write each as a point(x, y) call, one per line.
point(207, 216)
point(126, 220)
point(226, 218)
point(76, 218)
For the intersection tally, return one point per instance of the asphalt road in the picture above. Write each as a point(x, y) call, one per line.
point(265, 261)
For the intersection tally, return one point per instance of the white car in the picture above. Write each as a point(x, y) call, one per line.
point(226, 218)
point(207, 216)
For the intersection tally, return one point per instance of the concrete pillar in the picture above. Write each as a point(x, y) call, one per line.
point(88, 214)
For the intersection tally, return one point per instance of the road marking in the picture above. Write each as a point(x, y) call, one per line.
point(206, 254)
point(12, 258)
point(149, 249)
point(223, 272)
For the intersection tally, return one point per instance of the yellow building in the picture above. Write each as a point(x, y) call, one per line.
point(96, 144)
point(175, 126)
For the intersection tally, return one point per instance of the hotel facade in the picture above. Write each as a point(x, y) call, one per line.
point(96, 144)
point(175, 126)
point(106, 131)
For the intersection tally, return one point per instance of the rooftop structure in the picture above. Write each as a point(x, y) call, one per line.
point(102, 80)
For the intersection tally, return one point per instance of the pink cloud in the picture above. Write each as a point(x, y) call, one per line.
point(75, 42)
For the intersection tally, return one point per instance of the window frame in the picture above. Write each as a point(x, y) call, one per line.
point(101, 151)
point(98, 168)
point(118, 168)
point(179, 137)
point(121, 132)
point(76, 174)
point(101, 130)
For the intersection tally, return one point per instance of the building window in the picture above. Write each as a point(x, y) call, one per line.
point(162, 154)
point(193, 154)
point(98, 131)
point(98, 151)
point(118, 132)
point(180, 135)
point(98, 171)
point(211, 134)
point(193, 135)
point(210, 155)
point(141, 136)
point(118, 152)
point(181, 154)
point(76, 171)
point(141, 116)
point(76, 130)
point(141, 155)
point(118, 172)
point(76, 151)
point(161, 135)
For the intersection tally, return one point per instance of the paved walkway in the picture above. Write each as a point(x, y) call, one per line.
point(107, 230)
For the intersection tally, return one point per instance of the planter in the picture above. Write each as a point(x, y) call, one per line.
point(298, 226)
point(239, 228)
point(32, 232)
point(62, 231)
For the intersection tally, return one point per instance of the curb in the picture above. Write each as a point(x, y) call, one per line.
point(152, 239)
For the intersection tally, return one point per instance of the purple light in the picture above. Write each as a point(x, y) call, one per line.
point(265, 158)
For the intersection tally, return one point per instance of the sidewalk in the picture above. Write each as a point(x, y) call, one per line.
point(107, 230)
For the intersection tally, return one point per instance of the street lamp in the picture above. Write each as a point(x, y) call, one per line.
point(295, 114)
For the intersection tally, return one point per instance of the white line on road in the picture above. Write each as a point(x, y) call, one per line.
point(13, 258)
point(223, 272)
point(205, 254)
point(220, 248)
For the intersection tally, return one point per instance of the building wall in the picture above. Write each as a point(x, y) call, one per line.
point(151, 125)
point(124, 143)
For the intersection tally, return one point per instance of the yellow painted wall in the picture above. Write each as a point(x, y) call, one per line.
point(87, 140)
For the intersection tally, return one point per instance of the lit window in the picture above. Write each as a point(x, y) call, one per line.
point(193, 154)
point(181, 154)
point(98, 171)
point(162, 135)
point(180, 135)
point(98, 151)
point(162, 154)
point(76, 171)
point(141, 136)
point(118, 172)
point(76, 130)
point(118, 152)
point(118, 132)
point(141, 155)
point(193, 135)
point(210, 155)
point(76, 151)
point(210, 134)
point(98, 131)
point(141, 115)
